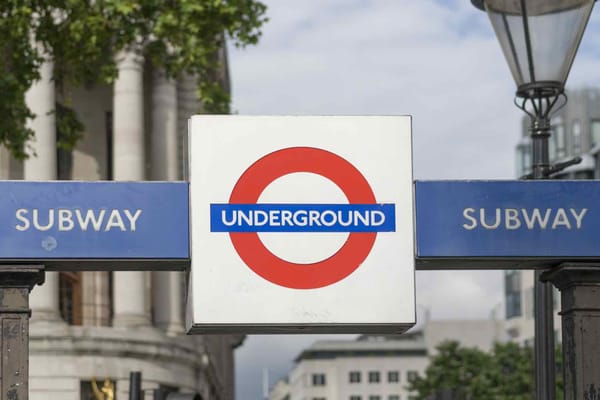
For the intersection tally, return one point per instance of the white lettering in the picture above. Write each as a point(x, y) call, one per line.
point(65, 220)
point(374, 220)
point(511, 218)
point(536, 217)
point(364, 219)
point(286, 218)
point(342, 222)
point(300, 218)
point(36, 222)
point(467, 214)
point(313, 218)
point(274, 218)
point(277, 217)
point(578, 217)
point(257, 220)
point(224, 219)
point(132, 218)
point(496, 223)
point(333, 219)
point(21, 216)
point(561, 219)
point(115, 221)
point(90, 216)
point(247, 218)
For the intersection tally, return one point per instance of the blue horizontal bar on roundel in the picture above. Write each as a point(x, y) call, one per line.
point(285, 217)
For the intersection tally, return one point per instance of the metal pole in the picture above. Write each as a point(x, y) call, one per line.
point(579, 285)
point(544, 308)
point(158, 394)
point(15, 284)
point(135, 386)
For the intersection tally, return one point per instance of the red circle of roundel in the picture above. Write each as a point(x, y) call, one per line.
point(292, 275)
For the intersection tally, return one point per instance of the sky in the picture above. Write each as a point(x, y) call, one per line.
point(436, 60)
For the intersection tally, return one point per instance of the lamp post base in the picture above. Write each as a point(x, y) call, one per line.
point(15, 284)
point(579, 285)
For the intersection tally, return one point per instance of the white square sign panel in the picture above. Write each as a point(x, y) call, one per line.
point(301, 224)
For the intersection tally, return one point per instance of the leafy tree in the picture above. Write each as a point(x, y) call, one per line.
point(465, 372)
point(469, 374)
point(82, 37)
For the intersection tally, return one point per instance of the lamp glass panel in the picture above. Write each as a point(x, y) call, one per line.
point(555, 29)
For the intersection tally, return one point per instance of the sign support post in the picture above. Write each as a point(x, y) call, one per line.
point(545, 381)
point(15, 284)
point(579, 285)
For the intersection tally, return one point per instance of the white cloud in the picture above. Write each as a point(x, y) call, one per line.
point(437, 60)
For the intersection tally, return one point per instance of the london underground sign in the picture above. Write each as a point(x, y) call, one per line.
point(248, 279)
point(361, 215)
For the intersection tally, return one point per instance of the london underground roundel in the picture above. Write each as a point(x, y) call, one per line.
point(243, 218)
point(301, 224)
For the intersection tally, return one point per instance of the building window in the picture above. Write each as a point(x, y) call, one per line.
point(394, 397)
point(512, 292)
point(523, 159)
point(108, 127)
point(393, 376)
point(559, 138)
point(411, 375)
point(69, 300)
point(552, 149)
point(354, 377)
point(374, 397)
point(318, 379)
point(355, 397)
point(374, 377)
point(595, 126)
point(64, 157)
point(529, 304)
point(576, 137)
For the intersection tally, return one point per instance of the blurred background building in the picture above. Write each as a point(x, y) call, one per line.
point(378, 367)
point(575, 132)
point(89, 330)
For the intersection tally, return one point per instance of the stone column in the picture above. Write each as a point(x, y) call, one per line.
point(4, 163)
point(166, 286)
point(129, 290)
point(41, 166)
point(164, 128)
point(579, 285)
point(187, 105)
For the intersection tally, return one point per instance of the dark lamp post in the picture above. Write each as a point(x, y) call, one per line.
point(539, 39)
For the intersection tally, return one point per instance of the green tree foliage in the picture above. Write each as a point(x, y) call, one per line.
point(470, 374)
point(83, 37)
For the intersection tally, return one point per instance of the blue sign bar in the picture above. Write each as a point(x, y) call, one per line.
point(302, 218)
point(69, 222)
point(558, 220)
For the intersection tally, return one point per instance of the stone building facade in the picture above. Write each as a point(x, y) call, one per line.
point(89, 330)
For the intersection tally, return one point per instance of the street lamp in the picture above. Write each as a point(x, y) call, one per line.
point(539, 39)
